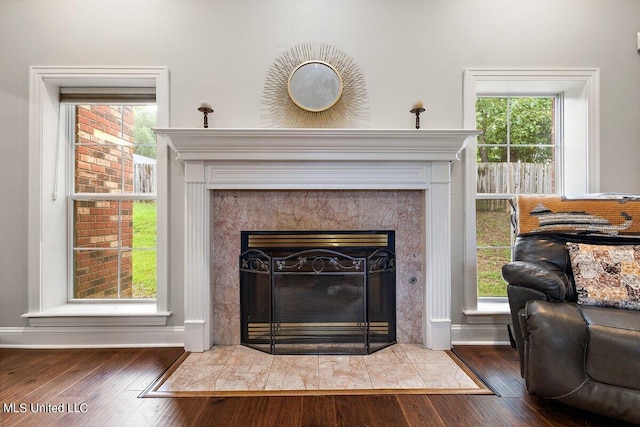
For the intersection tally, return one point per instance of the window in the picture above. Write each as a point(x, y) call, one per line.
point(515, 154)
point(561, 146)
point(113, 200)
point(66, 191)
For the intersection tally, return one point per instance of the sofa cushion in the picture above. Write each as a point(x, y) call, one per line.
point(613, 354)
point(606, 275)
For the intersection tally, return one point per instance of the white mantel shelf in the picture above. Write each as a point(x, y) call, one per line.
point(342, 159)
point(317, 144)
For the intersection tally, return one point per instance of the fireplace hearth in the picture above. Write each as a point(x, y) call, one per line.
point(310, 292)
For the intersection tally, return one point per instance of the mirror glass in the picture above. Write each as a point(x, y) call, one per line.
point(315, 86)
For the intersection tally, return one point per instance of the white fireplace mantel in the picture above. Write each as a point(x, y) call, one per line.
point(293, 159)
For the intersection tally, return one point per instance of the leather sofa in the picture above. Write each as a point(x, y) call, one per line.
point(585, 356)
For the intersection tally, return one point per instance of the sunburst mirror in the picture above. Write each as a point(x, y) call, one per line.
point(314, 85)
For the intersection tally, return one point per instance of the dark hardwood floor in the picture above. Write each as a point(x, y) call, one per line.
point(100, 387)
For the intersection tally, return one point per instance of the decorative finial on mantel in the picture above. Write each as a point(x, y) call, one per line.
point(418, 108)
point(205, 108)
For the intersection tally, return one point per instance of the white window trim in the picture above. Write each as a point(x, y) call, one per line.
point(581, 87)
point(48, 279)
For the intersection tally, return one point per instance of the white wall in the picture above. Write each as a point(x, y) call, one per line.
point(220, 51)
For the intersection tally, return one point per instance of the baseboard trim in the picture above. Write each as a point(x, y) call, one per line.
point(91, 337)
point(173, 336)
point(482, 334)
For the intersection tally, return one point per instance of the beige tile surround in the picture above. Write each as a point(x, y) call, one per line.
point(235, 211)
point(242, 369)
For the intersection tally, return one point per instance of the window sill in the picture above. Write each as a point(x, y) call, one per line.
point(490, 310)
point(100, 314)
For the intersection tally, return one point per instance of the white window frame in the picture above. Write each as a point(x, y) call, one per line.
point(581, 140)
point(48, 274)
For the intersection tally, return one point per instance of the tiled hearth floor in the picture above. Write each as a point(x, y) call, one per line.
point(229, 370)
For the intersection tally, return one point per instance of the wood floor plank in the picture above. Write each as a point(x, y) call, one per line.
point(252, 412)
point(149, 366)
point(114, 410)
point(107, 390)
point(371, 411)
point(167, 412)
point(61, 376)
point(419, 411)
point(93, 372)
point(473, 411)
point(31, 419)
point(319, 411)
point(110, 376)
point(34, 366)
point(107, 412)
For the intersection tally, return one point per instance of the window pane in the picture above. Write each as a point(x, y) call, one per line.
point(494, 239)
point(108, 224)
point(143, 273)
point(95, 273)
point(493, 223)
point(531, 121)
point(100, 168)
point(492, 153)
point(115, 149)
point(491, 119)
point(104, 124)
point(144, 170)
point(104, 150)
point(532, 169)
point(493, 174)
point(97, 223)
point(126, 275)
point(490, 281)
point(144, 159)
point(116, 226)
point(144, 224)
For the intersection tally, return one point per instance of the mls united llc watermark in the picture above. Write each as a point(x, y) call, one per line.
point(34, 408)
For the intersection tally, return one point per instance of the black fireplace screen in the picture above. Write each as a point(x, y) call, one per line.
point(318, 292)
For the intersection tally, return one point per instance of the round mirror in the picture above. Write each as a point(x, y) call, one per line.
point(315, 86)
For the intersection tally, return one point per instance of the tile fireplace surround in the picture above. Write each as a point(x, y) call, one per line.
point(344, 169)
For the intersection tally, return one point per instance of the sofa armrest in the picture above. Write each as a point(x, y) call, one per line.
point(534, 276)
point(518, 298)
point(556, 338)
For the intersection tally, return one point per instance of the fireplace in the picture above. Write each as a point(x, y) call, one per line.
point(318, 292)
point(316, 159)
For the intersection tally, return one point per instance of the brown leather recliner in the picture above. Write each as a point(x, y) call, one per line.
point(584, 356)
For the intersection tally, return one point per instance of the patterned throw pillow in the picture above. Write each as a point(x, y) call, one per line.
point(607, 276)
